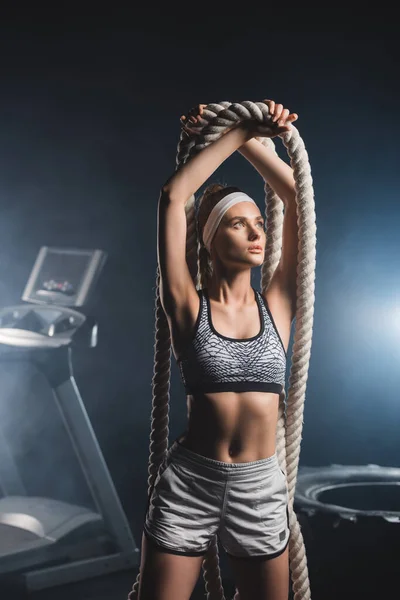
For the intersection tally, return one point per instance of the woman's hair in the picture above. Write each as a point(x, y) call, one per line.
point(209, 198)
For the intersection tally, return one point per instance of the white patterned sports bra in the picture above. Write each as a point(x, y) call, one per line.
point(212, 362)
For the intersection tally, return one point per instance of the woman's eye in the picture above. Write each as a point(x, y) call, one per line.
point(258, 223)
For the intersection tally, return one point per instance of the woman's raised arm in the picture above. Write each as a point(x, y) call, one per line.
point(191, 176)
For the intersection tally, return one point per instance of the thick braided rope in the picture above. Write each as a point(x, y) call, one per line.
point(220, 117)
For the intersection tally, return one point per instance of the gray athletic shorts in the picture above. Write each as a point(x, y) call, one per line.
point(195, 497)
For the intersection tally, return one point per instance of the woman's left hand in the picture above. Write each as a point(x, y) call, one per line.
point(280, 115)
point(279, 121)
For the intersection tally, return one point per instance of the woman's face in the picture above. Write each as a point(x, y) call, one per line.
point(242, 226)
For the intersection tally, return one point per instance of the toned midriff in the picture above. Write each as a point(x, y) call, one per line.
point(228, 426)
point(231, 426)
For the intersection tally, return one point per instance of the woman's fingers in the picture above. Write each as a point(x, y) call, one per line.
point(193, 119)
point(195, 112)
point(277, 112)
point(283, 116)
point(192, 122)
point(185, 120)
point(271, 106)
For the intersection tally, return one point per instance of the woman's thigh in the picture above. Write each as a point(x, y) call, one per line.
point(165, 576)
point(262, 579)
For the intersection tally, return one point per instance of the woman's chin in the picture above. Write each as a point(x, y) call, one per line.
point(255, 256)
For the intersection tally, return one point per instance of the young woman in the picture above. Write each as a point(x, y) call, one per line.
point(230, 342)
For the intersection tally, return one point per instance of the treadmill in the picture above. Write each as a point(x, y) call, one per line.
point(61, 519)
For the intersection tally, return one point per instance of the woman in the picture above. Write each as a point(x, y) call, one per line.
point(230, 342)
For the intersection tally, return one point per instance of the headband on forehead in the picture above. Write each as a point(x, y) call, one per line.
point(218, 212)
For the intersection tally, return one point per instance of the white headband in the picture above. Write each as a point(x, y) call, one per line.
point(218, 212)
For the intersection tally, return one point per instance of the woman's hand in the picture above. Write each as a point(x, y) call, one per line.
point(280, 120)
point(193, 123)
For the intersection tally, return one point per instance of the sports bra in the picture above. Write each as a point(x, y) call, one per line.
point(212, 362)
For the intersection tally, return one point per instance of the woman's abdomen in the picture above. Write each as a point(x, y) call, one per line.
point(232, 427)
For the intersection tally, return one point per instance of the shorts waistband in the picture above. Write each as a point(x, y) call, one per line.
point(232, 470)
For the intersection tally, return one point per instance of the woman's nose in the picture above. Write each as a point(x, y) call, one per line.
point(255, 234)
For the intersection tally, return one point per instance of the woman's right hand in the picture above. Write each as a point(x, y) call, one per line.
point(193, 123)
